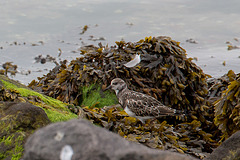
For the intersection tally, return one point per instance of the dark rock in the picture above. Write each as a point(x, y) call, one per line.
point(228, 150)
point(17, 122)
point(80, 140)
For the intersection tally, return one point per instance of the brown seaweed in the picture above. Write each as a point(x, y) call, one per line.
point(186, 137)
point(227, 106)
point(164, 72)
point(8, 67)
point(164, 68)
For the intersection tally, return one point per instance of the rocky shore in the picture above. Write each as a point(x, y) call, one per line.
point(66, 115)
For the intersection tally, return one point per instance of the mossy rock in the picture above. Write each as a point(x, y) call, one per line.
point(17, 122)
point(22, 111)
point(13, 91)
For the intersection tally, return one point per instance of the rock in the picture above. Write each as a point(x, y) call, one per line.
point(228, 150)
point(56, 110)
point(19, 118)
point(80, 140)
point(17, 122)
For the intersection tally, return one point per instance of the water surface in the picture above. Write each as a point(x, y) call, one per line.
point(58, 24)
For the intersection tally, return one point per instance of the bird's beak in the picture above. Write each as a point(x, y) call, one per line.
point(109, 87)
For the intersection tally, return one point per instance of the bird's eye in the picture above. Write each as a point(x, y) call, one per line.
point(114, 83)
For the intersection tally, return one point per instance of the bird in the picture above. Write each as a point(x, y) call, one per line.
point(139, 105)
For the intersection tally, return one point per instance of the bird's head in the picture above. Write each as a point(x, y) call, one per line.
point(117, 85)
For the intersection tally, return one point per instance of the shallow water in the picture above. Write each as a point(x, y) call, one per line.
point(59, 24)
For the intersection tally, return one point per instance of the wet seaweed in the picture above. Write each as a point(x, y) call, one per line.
point(164, 72)
point(8, 68)
point(226, 105)
point(185, 137)
point(232, 45)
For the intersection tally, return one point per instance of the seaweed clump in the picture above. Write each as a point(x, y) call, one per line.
point(8, 67)
point(187, 137)
point(227, 104)
point(164, 72)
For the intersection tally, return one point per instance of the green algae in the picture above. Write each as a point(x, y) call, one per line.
point(55, 109)
point(17, 153)
point(93, 96)
point(27, 92)
point(15, 142)
point(7, 141)
point(13, 135)
point(16, 125)
point(55, 116)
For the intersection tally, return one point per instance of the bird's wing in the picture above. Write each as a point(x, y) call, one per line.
point(145, 105)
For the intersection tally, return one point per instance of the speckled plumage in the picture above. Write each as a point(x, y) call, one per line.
point(137, 104)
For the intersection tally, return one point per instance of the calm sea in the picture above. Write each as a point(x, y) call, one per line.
point(30, 28)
